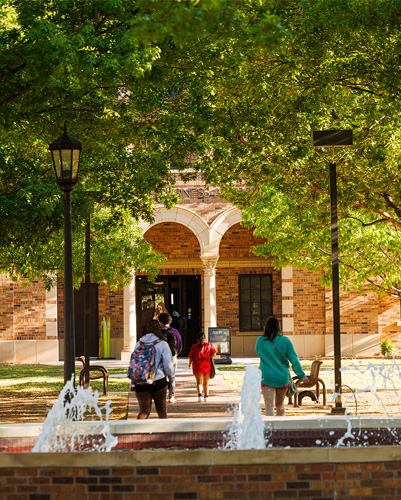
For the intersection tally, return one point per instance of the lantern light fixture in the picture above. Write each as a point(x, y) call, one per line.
point(66, 154)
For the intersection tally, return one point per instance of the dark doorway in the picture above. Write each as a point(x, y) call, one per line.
point(79, 309)
point(182, 297)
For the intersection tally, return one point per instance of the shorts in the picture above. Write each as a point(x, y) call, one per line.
point(278, 388)
point(156, 386)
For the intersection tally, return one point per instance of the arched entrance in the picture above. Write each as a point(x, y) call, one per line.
point(179, 284)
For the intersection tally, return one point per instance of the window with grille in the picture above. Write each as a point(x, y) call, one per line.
point(255, 298)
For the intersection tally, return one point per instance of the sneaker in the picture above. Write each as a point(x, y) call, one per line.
point(205, 399)
point(172, 400)
point(200, 398)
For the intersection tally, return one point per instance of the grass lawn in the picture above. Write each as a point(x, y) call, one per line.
point(29, 391)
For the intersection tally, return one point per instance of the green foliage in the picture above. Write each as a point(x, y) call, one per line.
point(247, 113)
point(86, 62)
point(387, 347)
point(235, 86)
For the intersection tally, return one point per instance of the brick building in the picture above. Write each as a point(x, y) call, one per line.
point(210, 279)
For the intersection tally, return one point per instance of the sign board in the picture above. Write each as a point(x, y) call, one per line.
point(325, 138)
point(221, 339)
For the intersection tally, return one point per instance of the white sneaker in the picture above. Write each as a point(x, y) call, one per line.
point(200, 398)
point(172, 400)
point(205, 399)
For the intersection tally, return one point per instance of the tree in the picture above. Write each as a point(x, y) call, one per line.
point(87, 63)
point(246, 107)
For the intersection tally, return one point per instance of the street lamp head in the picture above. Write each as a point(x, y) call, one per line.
point(331, 138)
point(66, 153)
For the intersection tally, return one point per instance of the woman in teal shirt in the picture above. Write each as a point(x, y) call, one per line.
point(275, 352)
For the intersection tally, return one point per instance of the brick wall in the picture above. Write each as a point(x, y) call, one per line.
point(237, 242)
point(6, 308)
point(389, 320)
point(22, 310)
point(173, 241)
point(358, 312)
point(340, 481)
point(309, 303)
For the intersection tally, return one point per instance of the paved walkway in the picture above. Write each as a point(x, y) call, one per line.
point(221, 398)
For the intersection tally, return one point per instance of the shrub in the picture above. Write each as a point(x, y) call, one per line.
point(387, 347)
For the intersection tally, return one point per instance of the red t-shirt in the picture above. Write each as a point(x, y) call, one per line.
point(201, 357)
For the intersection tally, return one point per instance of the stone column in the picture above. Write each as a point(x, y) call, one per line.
point(51, 312)
point(287, 287)
point(129, 320)
point(209, 297)
point(48, 350)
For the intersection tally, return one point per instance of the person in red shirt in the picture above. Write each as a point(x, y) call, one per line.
point(200, 359)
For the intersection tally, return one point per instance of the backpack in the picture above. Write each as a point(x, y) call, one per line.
point(171, 341)
point(142, 368)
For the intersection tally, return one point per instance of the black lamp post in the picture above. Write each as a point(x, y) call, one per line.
point(66, 152)
point(332, 139)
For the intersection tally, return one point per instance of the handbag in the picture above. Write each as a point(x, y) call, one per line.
point(213, 370)
point(292, 388)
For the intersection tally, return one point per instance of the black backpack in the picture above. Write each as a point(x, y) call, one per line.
point(171, 340)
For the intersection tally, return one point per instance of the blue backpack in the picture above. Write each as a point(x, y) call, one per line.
point(142, 368)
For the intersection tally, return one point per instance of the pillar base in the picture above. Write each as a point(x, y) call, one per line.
point(126, 354)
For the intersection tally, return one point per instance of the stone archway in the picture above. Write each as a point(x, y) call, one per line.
point(187, 218)
point(209, 238)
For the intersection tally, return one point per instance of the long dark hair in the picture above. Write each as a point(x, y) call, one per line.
point(272, 328)
point(153, 326)
point(200, 336)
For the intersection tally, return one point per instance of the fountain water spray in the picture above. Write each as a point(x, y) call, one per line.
point(68, 428)
point(246, 431)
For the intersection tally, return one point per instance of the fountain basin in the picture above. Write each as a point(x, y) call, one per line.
point(183, 433)
point(193, 474)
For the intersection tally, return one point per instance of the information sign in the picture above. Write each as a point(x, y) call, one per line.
point(221, 339)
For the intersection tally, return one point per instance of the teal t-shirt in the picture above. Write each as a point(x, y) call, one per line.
point(274, 371)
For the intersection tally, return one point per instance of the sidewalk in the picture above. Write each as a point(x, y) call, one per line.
point(221, 399)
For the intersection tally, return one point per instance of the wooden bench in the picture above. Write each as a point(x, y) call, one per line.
point(104, 374)
point(314, 381)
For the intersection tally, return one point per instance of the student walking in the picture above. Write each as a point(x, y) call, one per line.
point(174, 341)
point(200, 359)
point(151, 364)
point(276, 351)
point(159, 309)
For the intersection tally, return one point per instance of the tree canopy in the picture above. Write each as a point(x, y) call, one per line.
point(237, 86)
point(247, 106)
point(86, 63)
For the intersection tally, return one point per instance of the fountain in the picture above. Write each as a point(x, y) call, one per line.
point(246, 432)
point(76, 423)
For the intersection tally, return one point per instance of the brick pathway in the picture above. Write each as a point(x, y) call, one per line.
point(221, 399)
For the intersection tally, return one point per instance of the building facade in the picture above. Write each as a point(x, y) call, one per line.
point(210, 279)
